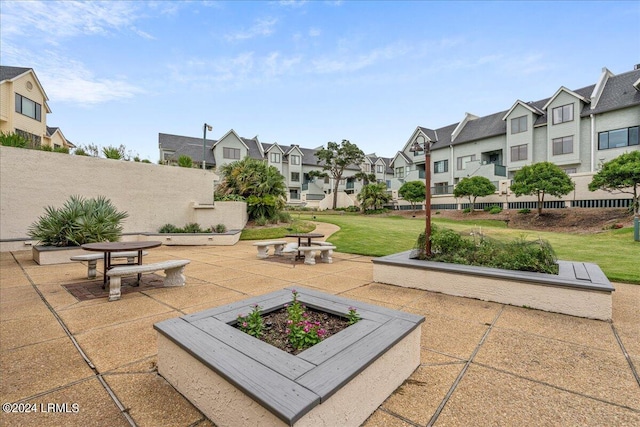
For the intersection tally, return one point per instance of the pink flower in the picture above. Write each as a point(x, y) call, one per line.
point(289, 322)
point(244, 324)
point(321, 332)
point(352, 309)
point(306, 329)
point(287, 331)
point(286, 305)
point(305, 315)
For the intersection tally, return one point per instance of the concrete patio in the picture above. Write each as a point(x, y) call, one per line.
point(482, 363)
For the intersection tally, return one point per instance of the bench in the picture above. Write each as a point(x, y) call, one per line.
point(172, 269)
point(263, 247)
point(320, 243)
point(92, 260)
point(310, 253)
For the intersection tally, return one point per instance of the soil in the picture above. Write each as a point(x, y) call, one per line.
point(275, 324)
point(576, 220)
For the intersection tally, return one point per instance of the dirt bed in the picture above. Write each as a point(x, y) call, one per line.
point(578, 220)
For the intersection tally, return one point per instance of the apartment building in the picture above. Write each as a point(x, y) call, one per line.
point(292, 161)
point(577, 130)
point(24, 108)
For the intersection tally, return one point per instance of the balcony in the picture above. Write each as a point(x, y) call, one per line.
point(442, 189)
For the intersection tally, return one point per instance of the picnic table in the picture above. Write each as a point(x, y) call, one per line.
point(108, 247)
point(307, 236)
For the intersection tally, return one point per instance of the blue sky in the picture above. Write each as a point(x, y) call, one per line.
point(305, 72)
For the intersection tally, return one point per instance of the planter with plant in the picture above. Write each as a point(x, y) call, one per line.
point(192, 234)
point(77, 222)
point(313, 380)
point(521, 273)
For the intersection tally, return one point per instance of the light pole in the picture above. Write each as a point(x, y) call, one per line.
point(424, 144)
point(204, 143)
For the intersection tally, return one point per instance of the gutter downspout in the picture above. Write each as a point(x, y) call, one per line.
point(593, 142)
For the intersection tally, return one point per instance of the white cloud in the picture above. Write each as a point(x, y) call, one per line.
point(314, 32)
point(349, 62)
point(261, 27)
point(292, 3)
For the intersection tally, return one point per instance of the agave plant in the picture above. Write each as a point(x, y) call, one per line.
point(78, 222)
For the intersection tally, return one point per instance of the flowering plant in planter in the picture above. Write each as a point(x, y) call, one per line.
point(302, 328)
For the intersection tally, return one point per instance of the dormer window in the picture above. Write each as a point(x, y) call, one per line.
point(294, 160)
point(563, 114)
point(275, 157)
point(519, 125)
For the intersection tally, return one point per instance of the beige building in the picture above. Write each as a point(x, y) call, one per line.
point(24, 108)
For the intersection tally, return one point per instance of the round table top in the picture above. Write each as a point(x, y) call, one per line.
point(309, 235)
point(120, 246)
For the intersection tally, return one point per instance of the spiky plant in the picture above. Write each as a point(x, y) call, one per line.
point(78, 222)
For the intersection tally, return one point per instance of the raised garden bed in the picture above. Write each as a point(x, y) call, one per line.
point(580, 289)
point(228, 238)
point(238, 380)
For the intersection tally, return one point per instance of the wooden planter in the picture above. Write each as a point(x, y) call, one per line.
point(580, 289)
point(238, 380)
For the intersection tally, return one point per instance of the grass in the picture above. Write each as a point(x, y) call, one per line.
point(276, 232)
point(614, 251)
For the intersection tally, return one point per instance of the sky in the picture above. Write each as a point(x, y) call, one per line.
point(304, 72)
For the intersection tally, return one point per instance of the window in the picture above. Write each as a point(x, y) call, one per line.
point(295, 176)
point(519, 152)
point(618, 138)
point(562, 145)
point(441, 166)
point(294, 194)
point(380, 168)
point(275, 157)
point(418, 153)
point(366, 168)
point(388, 183)
point(231, 153)
point(462, 161)
point(563, 114)
point(570, 170)
point(34, 140)
point(28, 107)
point(295, 160)
point(519, 124)
point(399, 172)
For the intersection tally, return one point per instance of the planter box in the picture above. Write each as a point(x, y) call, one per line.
point(45, 255)
point(238, 380)
point(228, 238)
point(580, 289)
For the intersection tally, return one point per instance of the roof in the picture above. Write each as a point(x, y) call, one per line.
point(10, 73)
point(618, 93)
point(188, 146)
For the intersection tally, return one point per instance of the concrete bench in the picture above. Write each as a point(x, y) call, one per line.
point(263, 247)
point(92, 260)
point(172, 269)
point(310, 253)
point(320, 243)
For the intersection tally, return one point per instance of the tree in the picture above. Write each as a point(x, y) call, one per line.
point(335, 158)
point(540, 179)
point(366, 178)
point(373, 196)
point(413, 192)
point(474, 187)
point(262, 185)
point(185, 161)
point(621, 174)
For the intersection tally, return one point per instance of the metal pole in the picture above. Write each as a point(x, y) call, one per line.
point(204, 146)
point(427, 202)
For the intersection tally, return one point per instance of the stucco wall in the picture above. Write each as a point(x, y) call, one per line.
point(153, 195)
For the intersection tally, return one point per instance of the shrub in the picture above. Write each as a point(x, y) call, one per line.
point(192, 227)
point(115, 153)
point(467, 210)
point(78, 222)
point(495, 210)
point(64, 150)
point(168, 228)
point(80, 152)
point(284, 217)
point(13, 140)
point(261, 221)
point(46, 148)
point(220, 228)
point(449, 246)
point(524, 211)
point(229, 198)
point(185, 161)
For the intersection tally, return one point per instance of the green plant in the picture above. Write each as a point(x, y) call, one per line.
point(335, 159)
point(13, 140)
point(220, 228)
point(466, 210)
point(495, 210)
point(284, 217)
point(524, 211)
point(115, 153)
point(540, 179)
point(252, 323)
point(79, 221)
point(185, 161)
point(413, 192)
point(64, 150)
point(168, 228)
point(80, 152)
point(353, 315)
point(301, 332)
point(373, 196)
point(192, 227)
point(261, 221)
point(229, 198)
point(474, 187)
point(46, 148)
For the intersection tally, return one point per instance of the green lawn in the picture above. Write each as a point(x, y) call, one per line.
point(615, 251)
point(277, 231)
